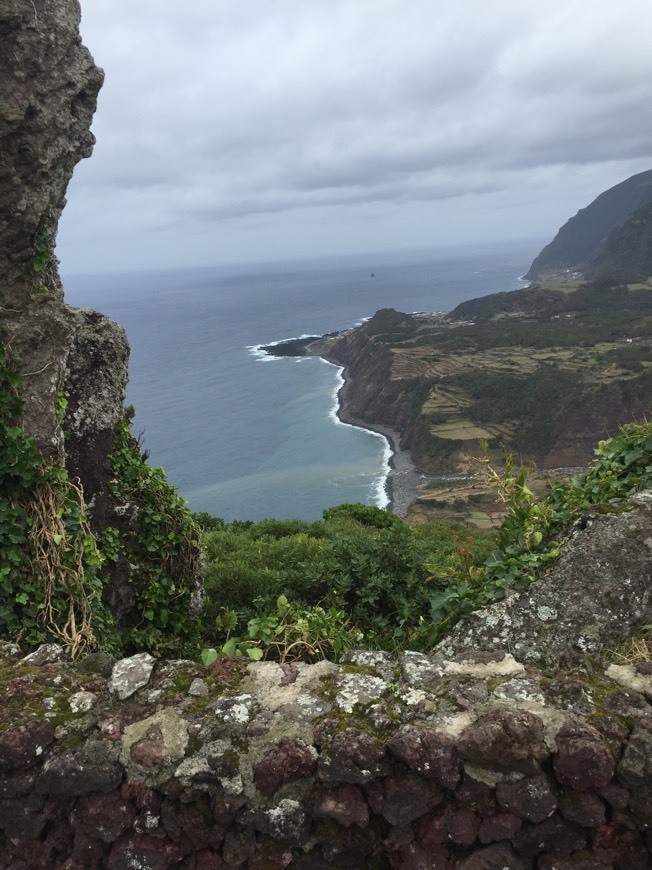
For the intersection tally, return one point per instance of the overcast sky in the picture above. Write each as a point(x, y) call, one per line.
point(250, 130)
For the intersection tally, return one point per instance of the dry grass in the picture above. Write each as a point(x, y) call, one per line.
point(635, 650)
point(58, 558)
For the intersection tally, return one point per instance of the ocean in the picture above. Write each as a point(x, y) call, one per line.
point(244, 435)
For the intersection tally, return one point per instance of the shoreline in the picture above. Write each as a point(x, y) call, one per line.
point(402, 477)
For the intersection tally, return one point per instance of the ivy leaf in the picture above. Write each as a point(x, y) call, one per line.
point(209, 656)
point(230, 648)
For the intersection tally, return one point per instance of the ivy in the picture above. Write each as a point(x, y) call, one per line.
point(50, 586)
point(163, 546)
point(41, 252)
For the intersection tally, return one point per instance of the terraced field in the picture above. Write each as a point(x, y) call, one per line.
point(528, 369)
point(543, 373)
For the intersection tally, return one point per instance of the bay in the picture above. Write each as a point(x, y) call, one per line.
point(247, 436)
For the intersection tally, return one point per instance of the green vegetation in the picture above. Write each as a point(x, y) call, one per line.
point(53, 570)
point(41, 252)
point(286, 634)
point(162, 547)
point(279, 589)
point(360, 569)
point(50, 584)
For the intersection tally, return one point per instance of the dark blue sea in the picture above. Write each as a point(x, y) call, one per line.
point(246, 436)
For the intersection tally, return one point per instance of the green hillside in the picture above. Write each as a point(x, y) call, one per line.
point(579, 240)
point(544, 371)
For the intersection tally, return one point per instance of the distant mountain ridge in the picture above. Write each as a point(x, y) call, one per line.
point(584, 240)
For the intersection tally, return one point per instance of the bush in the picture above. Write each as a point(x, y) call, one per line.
point(359, 560)
point(366, 515)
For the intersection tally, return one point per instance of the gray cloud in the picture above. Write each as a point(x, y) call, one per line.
point(323, 111)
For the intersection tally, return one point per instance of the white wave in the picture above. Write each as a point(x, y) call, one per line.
point(381, 499)
point(379, 487)
point(257, 352)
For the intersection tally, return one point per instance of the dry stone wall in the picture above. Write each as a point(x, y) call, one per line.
point(422, 762)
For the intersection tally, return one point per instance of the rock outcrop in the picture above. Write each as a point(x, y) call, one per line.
point(94, 387)
point(598, 593)
point(48, 85)
point(72, 363)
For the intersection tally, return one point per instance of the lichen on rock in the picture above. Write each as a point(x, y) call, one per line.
point(595, 597)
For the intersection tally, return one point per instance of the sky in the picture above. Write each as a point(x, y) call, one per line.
point(237, 131)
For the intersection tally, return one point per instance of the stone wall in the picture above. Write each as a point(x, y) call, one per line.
point(424, 762)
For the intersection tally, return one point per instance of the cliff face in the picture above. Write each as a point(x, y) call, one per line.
point(578, 241)
point(627, 248)
point(372, 395)
point(49, 86)
point(368, 367)
point(72, 363)
point(542, 371)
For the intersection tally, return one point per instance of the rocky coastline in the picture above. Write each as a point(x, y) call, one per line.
point(403, 477)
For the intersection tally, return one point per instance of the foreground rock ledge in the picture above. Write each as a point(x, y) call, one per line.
point(421, 762)
point(598, 594)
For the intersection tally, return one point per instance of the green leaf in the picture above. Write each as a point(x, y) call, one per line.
point(255, 653)
point(208, 656)
point(230, 648)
